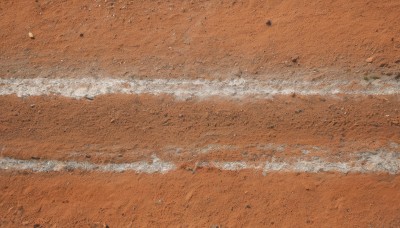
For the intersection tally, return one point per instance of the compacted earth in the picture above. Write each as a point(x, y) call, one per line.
point(119, 113)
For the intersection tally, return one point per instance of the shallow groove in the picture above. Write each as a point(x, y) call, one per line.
point(366, 162)
point(183, 89)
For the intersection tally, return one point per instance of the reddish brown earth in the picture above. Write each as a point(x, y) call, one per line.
point(209, 197)
point(125, 127)
point(197, 39)
point(116, 125)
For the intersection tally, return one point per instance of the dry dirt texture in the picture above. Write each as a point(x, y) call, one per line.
point(311, 155)
point(209, 197)
point(124, 128)
point(198, 38)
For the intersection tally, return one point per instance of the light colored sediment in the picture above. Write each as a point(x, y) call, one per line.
point(182, 88)
point(156, 166)
point(365, 162)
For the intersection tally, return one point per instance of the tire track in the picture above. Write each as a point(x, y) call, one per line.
point(366, 162)
point(184, 89)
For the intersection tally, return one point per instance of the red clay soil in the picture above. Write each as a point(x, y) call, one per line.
point(209, 39)
point(197, 39)
point(55, 127)
point(203, 199)
point(120, 128)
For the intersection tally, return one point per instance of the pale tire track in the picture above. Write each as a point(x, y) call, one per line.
point(184, 89)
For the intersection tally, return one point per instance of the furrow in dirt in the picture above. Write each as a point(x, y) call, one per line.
point(185, 89)
point(367, 162)
point(128, 128)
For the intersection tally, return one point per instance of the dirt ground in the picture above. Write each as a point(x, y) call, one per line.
point(192, 39)
point(203, 199)
point(315, 41)
point(124, 128)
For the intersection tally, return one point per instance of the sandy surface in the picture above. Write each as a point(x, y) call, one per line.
point(208, 197)
point(82, 146)
point(125, 127)
point(117, 113)
point(199, 39)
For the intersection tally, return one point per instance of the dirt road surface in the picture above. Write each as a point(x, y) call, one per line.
point(119, 113)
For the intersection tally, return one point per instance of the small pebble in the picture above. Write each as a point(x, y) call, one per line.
point(31, 35)
point(369, 60)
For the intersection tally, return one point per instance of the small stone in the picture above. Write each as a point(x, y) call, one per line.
point(189, 195)
point(31, 35)
point(369, 60)
point(88, 97)
point(248, 206)
point(268, 23)
point(295, 59)
point(81, 35)
point(112, 120)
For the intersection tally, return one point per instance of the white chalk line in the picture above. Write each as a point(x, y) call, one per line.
point(367, 162)
point(184, 88)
